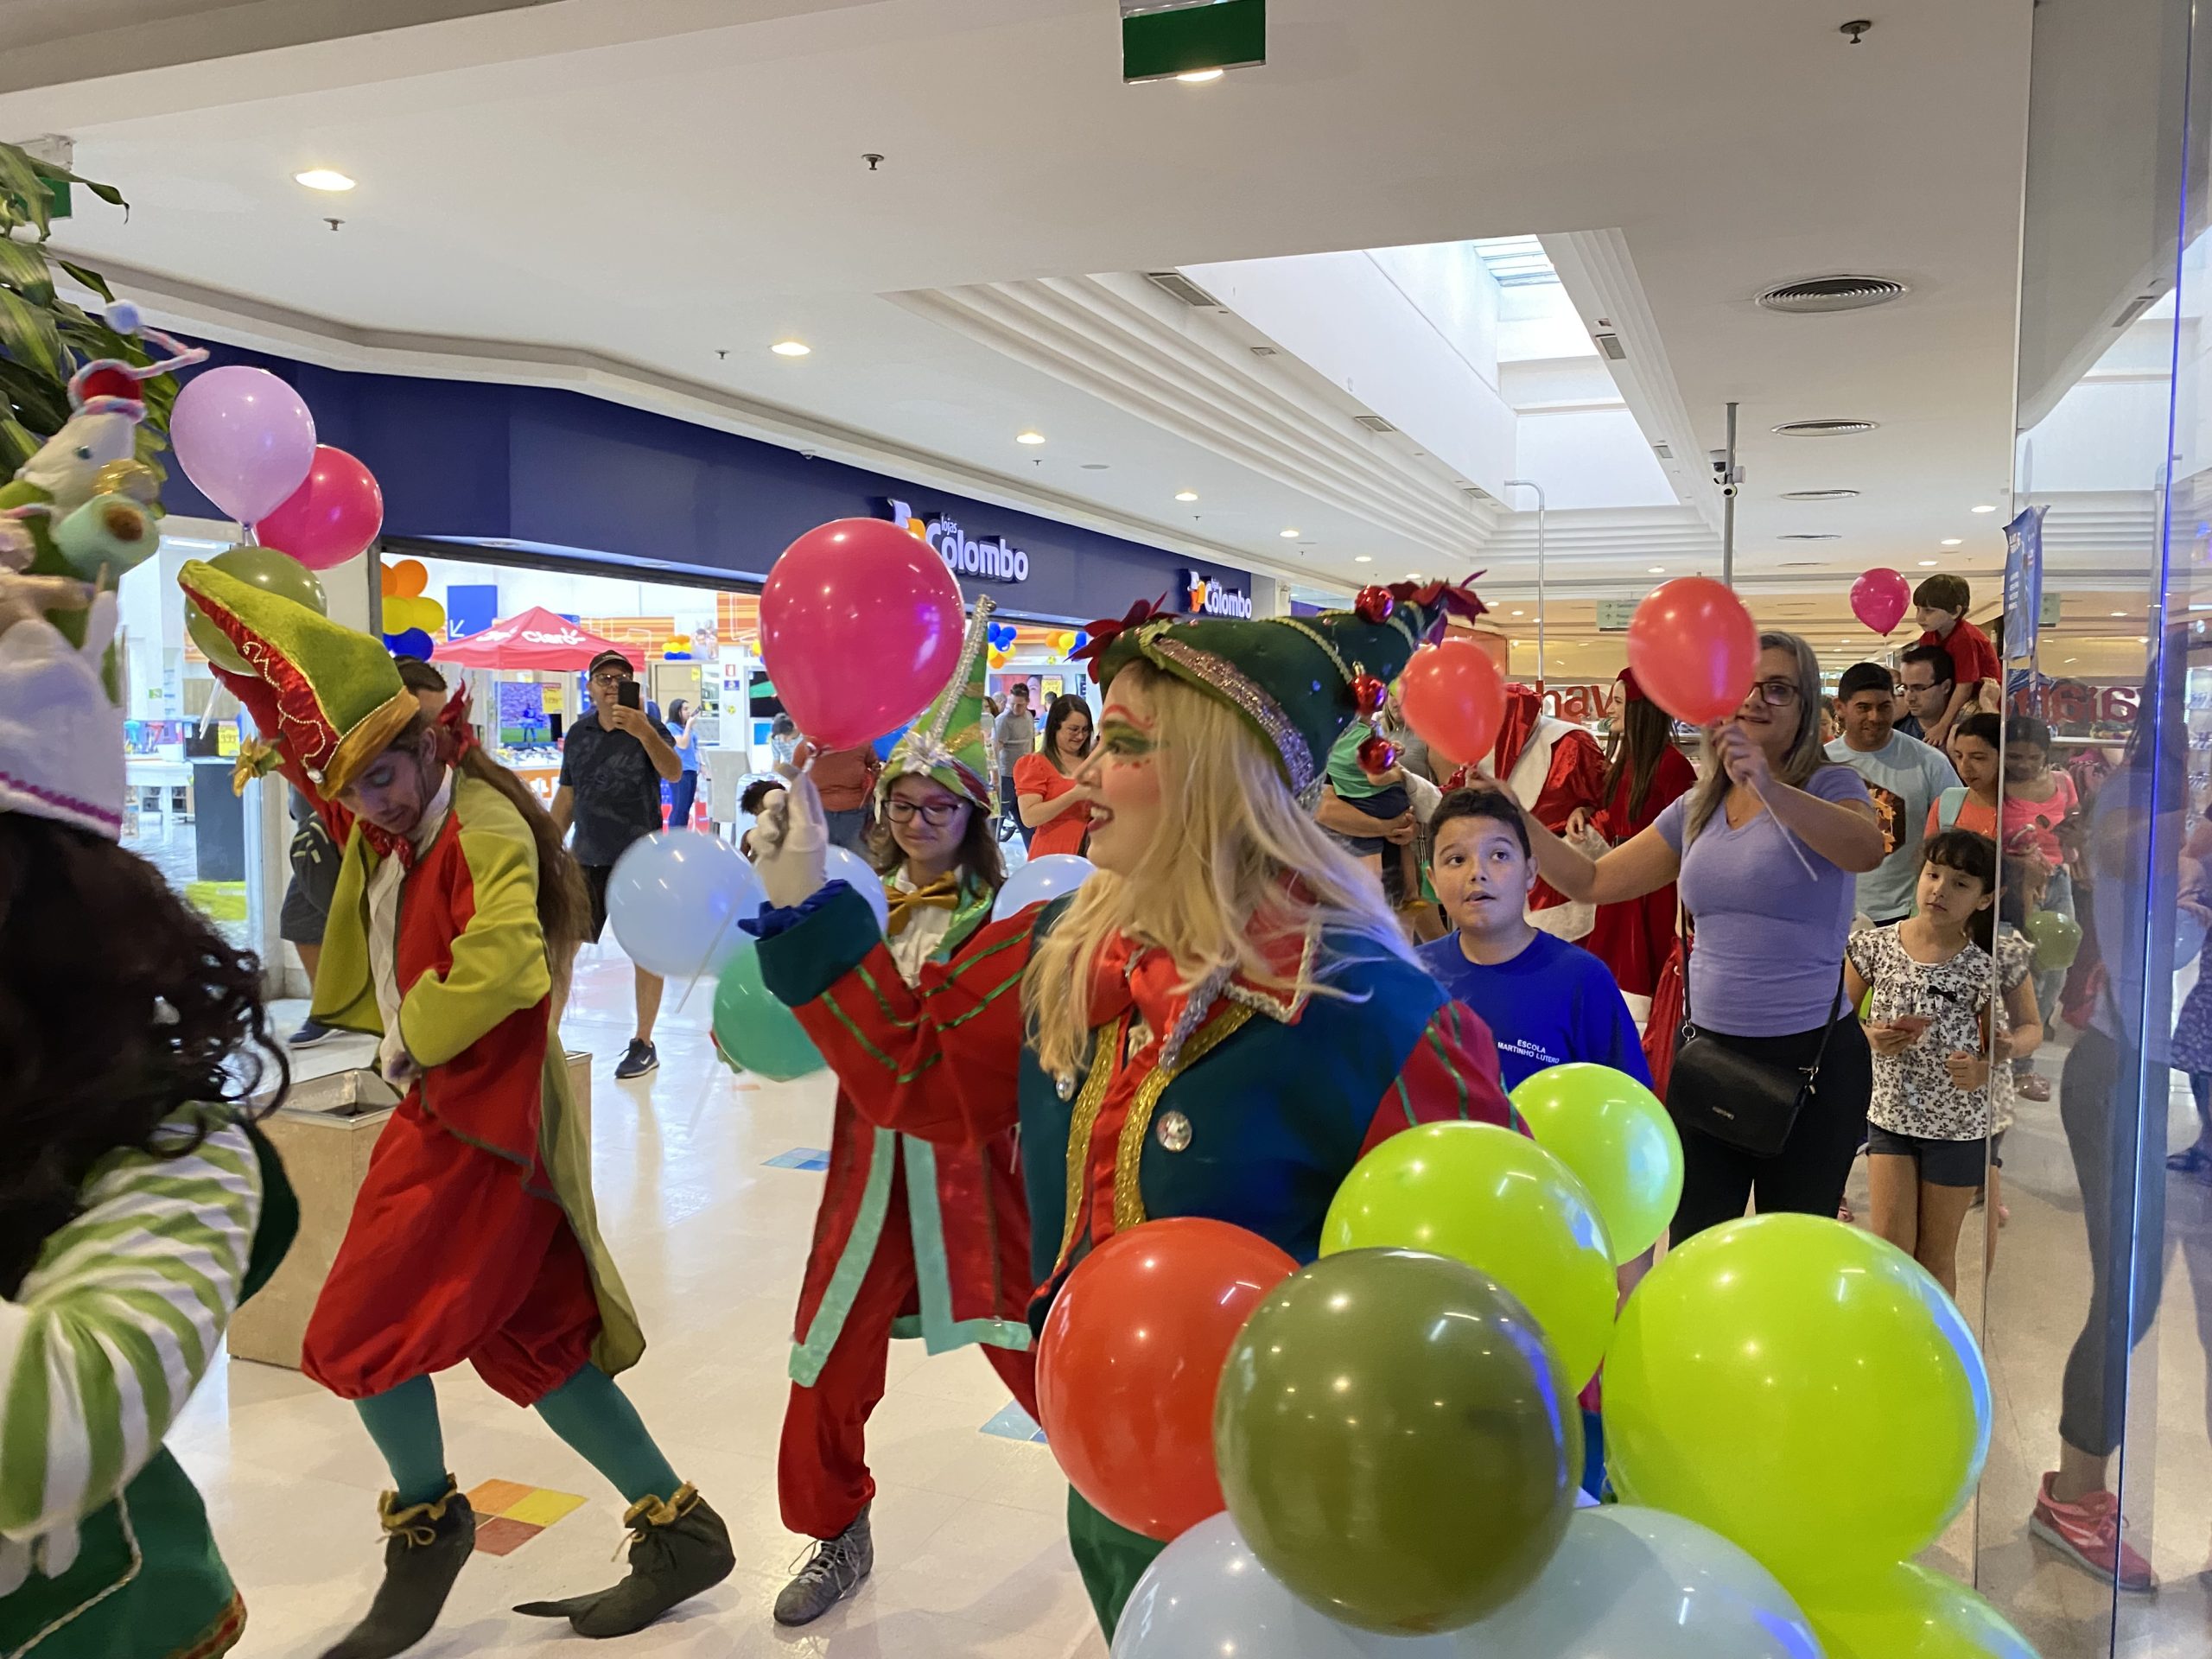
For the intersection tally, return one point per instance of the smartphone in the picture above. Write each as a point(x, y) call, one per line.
point(629, 695)
point(1915, 1023)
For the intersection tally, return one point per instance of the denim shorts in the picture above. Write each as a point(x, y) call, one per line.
point(1943, 1163)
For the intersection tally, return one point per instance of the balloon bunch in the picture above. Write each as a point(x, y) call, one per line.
point(1379, 1453)
point(246, 440)
point(753, 1031)
point(413, 622)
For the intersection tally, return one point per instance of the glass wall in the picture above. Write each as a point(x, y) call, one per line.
point(2098, 1306)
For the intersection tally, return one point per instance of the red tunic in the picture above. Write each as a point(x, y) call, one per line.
point(1634, 938)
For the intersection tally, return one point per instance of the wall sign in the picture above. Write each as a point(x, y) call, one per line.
point(993, 558)
point(1210, 596)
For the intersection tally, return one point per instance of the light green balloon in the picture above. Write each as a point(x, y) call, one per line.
point(1497, 1201)
point(270, 571)
point(1910, 1613)
point(1802, 1388)
point(755, 1031)
point(1614, 1134)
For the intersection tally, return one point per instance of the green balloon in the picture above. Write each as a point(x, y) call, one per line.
point(2057, 940)
point(270, 571)
point(755, 1031)
point(1909, 1612)
point(1614, 1134)
point(1396, 1441)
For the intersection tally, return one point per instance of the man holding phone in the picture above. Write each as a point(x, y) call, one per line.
point(612, 762)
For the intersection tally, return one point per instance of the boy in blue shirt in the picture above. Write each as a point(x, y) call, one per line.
point(1548, 1003)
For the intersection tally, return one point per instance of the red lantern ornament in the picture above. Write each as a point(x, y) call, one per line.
point(1369, 695)
point(1375, 604)
point(1378, 755)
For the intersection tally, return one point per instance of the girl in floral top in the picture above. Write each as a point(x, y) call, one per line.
point(1933, 979)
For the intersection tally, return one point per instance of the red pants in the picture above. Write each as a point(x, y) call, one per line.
point(448, 1258)
point(822, 1473)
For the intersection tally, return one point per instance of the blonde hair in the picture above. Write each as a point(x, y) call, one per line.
point(1231, 836)
point(1806, 753)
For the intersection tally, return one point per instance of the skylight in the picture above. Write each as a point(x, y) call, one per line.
point(1515, 261)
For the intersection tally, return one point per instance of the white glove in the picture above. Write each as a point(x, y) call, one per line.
point(394, 1064)
point(791, 844)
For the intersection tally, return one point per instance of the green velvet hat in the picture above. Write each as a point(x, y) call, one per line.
point(949, 742)
point(1298, 680)
point(339, 699)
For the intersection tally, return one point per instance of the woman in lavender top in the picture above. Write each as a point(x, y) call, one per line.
point(1765, 849)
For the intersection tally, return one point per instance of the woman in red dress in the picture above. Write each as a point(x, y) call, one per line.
point(1644, 773)
point(1051, 802)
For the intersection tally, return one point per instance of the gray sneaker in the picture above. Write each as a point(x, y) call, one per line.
point(833, 1573)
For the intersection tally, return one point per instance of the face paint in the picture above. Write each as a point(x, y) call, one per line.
point(1122, 775)
point(394, 790)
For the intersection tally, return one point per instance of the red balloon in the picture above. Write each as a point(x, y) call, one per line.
point(860, 629)
point(1878, 599)
point(333, 516)
point(1695, 649)
point(1454, 697)
point(1131, 1357)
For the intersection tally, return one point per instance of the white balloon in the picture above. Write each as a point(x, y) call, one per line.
point(1630, 1583)
point(676, 899)
point(1206, 1596)
point(840, 865)
point(1041, 880)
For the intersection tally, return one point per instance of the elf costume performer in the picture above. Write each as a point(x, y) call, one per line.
point(473, 1238)
point(912, 1238)
point(1218, 1023)
point(138, 1206)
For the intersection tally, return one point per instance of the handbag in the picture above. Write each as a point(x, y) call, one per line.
point(1747, 1103)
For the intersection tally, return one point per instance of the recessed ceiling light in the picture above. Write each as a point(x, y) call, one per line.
point(1657, 570)
point(1926, 563)
point(1289, 535)
point(1985, 507)
point(1952, 540)
point(1362, 558)
point(1520, 612)
point(791, 348)
point(1097, 466)
point(1818, 495)
point(2070, 662)
point(1186, 495)
point(1198, 76)
point(2119, 613)
point(1029, 437)
point(323, 178)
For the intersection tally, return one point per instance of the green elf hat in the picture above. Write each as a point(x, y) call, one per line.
point(1298, 680)
point(949, 742)
point(339, 699)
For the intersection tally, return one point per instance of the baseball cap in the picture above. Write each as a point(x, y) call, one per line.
point(605, 657)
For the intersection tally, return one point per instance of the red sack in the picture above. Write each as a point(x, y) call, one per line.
point(1669, 998)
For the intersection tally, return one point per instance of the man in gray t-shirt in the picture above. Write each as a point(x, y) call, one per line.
point(1014, 736)
point(1902, 774)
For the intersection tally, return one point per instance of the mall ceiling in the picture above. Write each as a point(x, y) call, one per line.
point(613, 193)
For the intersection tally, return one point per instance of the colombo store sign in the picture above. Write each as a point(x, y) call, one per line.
point(992, 558)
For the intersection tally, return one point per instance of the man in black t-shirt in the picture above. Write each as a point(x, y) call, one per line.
point(612, 761)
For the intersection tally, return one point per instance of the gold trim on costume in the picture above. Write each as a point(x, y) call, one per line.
point(371, 736)
point(1128, 1200)
point(1080, 1125)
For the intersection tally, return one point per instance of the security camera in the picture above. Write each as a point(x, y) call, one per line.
point(1729, 490)
point(1718, 458)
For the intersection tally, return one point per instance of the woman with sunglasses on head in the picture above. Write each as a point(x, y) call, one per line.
point(1764, 850)
point(911, 1239)
point(1217, 1023)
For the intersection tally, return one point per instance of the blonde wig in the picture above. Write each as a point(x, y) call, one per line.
point(1214, 888)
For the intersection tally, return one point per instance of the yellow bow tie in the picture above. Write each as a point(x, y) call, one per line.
point(943, 894)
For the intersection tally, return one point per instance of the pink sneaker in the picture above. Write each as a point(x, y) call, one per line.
point(2088, 1532)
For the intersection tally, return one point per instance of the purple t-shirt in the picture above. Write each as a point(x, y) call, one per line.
point(1770, 939)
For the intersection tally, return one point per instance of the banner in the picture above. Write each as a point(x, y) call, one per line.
point(2022, 584)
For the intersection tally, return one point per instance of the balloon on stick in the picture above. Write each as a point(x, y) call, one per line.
point(333, 516)
point(1695, 649)
point(753, 1030)
point(244, 438)
point(1454, 697)
point(1041, 881)
point(858, 591)
point(1879, 598)
point(675, 900)
point(1397, 1442)
point(1724, 1401)
point(1129, 1360)
point(1614, 1134)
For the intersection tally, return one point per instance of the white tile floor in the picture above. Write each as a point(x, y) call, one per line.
point(971, 1549)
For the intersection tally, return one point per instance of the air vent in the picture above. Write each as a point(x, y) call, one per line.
point(1265, 351)
point(2134, 308)
point(1176, 286)
point(1475, 493)
point(1824, 428)
point(1832, 294)
point(1664, 451)
point(1375, 423)
point(1809, 535)
point(1803, 564)
point(1818, 495)
point(1611, 346)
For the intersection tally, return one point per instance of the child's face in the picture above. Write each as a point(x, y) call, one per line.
point(1934, 619)
point(1950, 896)
point(1483, 878)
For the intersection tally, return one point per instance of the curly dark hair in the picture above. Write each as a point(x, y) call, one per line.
point(119, 1005)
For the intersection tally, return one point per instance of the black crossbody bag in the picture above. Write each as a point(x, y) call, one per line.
point(1746, 1103)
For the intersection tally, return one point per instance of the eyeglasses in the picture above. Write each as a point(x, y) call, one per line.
point(936, 814)
point(1775, 694)
point(611, 676)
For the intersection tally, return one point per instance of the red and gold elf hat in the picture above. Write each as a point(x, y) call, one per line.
point(339, 698)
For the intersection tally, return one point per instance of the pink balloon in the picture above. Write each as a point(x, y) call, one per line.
point(861, 625)
point(1695, 649)
point(329, 518)
point(244, 437)
point(1879, 598)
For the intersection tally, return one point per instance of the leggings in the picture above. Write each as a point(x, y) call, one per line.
point(1807, 1175)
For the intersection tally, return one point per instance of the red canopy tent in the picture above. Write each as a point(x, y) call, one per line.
point(533, 638)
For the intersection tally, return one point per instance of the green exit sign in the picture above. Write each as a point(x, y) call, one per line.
point(1615, 614)
point(1161, 39)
